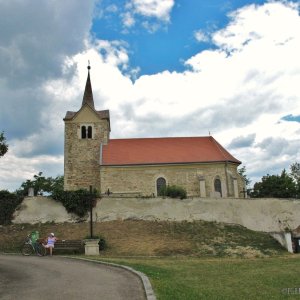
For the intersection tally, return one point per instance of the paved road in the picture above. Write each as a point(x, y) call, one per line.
point(60, 278)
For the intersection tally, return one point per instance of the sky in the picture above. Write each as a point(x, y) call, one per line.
point(229, 69)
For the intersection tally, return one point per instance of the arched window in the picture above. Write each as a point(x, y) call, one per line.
point(83, 132)
point(218, 186)
point(160, 185)
point(90, 132)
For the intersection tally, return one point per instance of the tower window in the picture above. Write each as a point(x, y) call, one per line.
point(90, 132)
point(83, 132)
point(86, 131)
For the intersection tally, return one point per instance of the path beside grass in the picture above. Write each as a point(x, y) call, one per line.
point(192, 278)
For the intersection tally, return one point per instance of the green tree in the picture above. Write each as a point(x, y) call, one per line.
point(242, 171)
point(3, 145)
point(42, 184)
point(295, 174)
point(277, 186)
point(8, 204)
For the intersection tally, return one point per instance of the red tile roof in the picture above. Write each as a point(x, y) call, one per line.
point(142, 151)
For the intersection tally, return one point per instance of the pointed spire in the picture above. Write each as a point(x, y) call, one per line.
point(88, 93)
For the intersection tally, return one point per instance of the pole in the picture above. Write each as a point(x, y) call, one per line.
point(91, 212)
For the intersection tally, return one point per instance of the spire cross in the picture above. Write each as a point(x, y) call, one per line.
point(89, 67)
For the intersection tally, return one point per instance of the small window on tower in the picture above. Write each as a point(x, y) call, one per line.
point(90, 131)
point(83, 132)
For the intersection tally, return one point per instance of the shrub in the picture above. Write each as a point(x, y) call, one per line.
point(173, 191)
point(77, 202)
point(8, 204)
point(102, 243)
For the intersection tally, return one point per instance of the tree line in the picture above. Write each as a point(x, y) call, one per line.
point(285, 185)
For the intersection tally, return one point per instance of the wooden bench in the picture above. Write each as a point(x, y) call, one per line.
point(67, 245)
point(74, 245)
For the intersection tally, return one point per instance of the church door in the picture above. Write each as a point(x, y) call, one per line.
point(218, 187)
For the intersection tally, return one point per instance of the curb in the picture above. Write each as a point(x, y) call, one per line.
point(145, 280)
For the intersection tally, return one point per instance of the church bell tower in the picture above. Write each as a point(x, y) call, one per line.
point(85, 132)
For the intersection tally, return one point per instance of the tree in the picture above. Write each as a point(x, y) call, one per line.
point(42, 184)
point(8, 204)
point(242, 171)
point(277, 186)
point(295, 174)
point(3, 145)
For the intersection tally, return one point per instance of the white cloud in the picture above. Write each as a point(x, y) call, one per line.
point(159, 9)
point(128, 19)
point(154, 13)
point(201, 36)
point(239, 92)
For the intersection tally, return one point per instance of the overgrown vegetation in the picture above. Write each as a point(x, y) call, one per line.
point(8, 204)
point(77, 202)
point(173, 191)
point(285, 185)
point(42, 185)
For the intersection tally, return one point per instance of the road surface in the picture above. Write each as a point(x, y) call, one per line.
point(32, 277)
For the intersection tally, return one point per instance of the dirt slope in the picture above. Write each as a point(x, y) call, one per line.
point(148, 238)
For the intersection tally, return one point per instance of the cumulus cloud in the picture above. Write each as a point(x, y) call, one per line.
point(238, 91)
point(159, 9)
point(151, 14)
point(242, 141)
point(201, 36)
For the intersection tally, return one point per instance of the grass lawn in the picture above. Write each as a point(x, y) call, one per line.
point(223, 278)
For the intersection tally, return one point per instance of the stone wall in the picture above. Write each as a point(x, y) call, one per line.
point(142, 179)
point(257, 214)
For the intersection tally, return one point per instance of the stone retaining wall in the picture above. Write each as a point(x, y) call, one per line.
point(257, 214)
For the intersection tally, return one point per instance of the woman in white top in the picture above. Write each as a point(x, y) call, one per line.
point(51, 239)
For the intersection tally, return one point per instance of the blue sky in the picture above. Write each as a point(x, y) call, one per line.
point(162, 68)
point(173, 42)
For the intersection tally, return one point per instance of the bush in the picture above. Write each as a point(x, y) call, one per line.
point(102, 243)
point(173, 191)
point(8, 204)
point(77, 202)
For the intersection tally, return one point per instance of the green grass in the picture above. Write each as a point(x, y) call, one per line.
point(199, 278)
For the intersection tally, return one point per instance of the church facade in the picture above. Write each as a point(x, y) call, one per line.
point(142, 166)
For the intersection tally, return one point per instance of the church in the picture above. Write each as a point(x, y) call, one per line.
point(142, 166)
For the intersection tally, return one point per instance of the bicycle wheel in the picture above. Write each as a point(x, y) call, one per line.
point(40, 249)
point(27, 249)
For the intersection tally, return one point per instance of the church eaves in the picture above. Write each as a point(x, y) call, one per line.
point(88, 93)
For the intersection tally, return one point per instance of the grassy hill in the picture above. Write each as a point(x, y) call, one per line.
point(152, 238)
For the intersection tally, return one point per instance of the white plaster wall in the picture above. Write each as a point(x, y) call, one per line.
point(257, 214)
point(42, 210)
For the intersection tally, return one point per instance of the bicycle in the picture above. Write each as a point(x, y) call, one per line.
point(29, 247)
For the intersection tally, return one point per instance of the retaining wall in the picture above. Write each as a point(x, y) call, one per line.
point(257, 214)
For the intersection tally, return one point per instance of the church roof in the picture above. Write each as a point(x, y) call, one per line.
point(103, 114)
point(88, 92)
point(88, 100)
point(177, 150)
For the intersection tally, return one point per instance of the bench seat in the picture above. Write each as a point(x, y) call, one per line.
point(75, 245)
